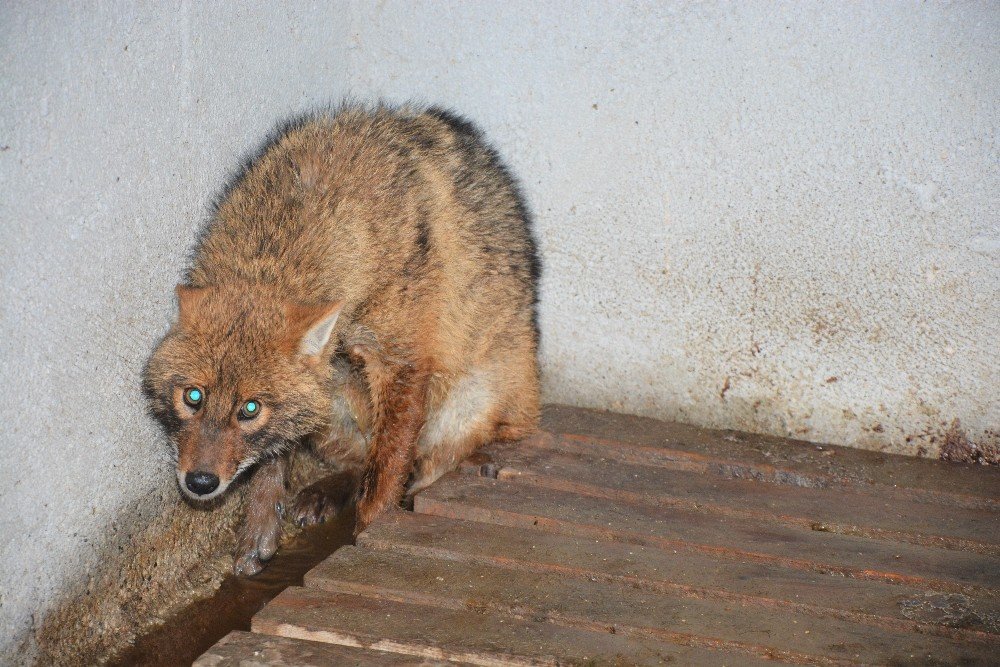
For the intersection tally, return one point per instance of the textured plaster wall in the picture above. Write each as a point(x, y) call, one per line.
point(774, 217)
point(117, 123)
point(777, 217)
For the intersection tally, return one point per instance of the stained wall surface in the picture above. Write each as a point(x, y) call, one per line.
point(782, 218)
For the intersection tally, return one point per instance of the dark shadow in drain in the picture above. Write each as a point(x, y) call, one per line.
point(189, 633)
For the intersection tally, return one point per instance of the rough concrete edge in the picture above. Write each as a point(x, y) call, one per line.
point(182, 554)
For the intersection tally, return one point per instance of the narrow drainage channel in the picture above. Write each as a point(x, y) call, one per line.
point(192, 631)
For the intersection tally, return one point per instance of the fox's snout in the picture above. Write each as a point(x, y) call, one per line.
point(201, 483)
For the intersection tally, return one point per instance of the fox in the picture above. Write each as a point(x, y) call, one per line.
point(366, 289)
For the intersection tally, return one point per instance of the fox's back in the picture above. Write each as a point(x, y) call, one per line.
point(401, 215)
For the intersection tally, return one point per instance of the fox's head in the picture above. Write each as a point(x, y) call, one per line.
point(240, 377)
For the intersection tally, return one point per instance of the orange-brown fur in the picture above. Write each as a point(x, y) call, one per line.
point(405, 228)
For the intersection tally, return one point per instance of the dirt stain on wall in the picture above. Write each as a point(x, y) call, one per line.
point(957, 447)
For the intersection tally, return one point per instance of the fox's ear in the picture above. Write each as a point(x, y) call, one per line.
point(312, 326)
point(188, 299)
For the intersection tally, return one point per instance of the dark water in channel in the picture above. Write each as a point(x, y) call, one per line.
point(194, 629)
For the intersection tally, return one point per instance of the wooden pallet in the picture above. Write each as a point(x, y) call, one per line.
point(618, 540)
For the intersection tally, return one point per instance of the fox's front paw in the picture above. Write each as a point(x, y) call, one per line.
point(323, 500)
point(257, 543)
point(314, 505)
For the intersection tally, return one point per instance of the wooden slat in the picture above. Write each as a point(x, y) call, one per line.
point(613, 540)
point(780, 460)
point(241, 649)
point(881, 605)
point(464, 635)
point(512, 503)
point(752, 627)
point(547, 461)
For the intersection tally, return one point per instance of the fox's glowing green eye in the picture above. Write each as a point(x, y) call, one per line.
point(250, 410)
point(193, 396)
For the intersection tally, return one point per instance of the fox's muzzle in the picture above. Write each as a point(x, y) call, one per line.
point(201, 483)
point(208, 460)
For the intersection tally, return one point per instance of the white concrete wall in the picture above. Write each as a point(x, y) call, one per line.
point(777, 217)
point(117, 124)
point(774, 217)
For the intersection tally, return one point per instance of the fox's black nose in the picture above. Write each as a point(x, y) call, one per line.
point(201, 483)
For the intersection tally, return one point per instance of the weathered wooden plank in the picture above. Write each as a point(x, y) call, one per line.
point(687, 573)
point(547, 461)
point(242, 649)
point(750, 626)
point(512, 503)
point(471, 636)
point(742, 625)
point(778, 460)
point(620, 540)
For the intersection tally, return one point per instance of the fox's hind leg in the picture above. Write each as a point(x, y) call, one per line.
point(258, 538)
point(498, 401)
point(463, 421)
